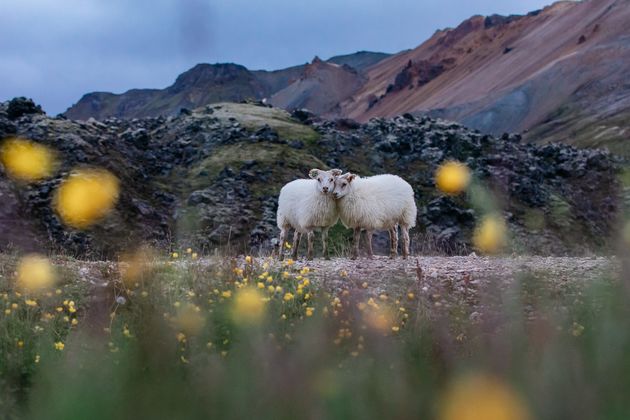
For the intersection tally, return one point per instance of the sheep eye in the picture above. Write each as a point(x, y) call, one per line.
point(319, 179)
point(344, 184)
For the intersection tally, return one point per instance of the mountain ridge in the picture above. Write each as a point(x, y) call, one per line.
point(201, 85)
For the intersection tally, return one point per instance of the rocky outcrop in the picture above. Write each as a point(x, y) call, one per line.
point(210, 177)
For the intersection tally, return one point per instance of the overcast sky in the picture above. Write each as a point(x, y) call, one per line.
point(56, 50)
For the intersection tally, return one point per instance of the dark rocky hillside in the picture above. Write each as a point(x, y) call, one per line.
point(210, 179)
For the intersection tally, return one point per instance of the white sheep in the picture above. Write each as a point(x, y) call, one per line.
point(307, 204)
point(381, 202)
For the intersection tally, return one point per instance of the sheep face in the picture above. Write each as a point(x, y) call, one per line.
point(342, 185)
point(325, 179)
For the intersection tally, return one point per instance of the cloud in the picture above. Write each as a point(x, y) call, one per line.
point(56, 52)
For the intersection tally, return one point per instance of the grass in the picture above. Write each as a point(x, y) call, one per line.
point(286, 161)
point(254, 117)
point(170, 341)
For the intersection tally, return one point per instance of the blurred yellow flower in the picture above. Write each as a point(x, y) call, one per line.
point(288, 296)
point(309, 311)
point(59, 345)
point(490, 235)
point(380, 319)
point(35, 273)
point(452, 177)
point(248, 259)
point(26, 160)
point(189, 250)
point(482, 397)
point(175, 255)
point(86, 196)
point(249, 306)
point(189, 320)
point(134, 267)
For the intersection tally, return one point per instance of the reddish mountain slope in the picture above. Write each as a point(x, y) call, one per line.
point(545, 71)
point(321, 88)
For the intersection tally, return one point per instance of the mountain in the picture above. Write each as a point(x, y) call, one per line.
point(204, 84)
point(210, 178)
point(320, 88)
point(557, 74)
point(360, 60)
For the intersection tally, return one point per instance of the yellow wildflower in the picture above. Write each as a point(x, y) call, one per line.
point(126, 332)
point(249, 307)
point(452, 177)
point(86, 196)
point(59, 345)
point(27, 160)
point(490, 235)
point(482, 397)
point(189, 319)
point(288, 296)
point(35, 273)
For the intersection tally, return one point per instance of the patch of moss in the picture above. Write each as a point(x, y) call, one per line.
point(283, 162)
point(254, 117)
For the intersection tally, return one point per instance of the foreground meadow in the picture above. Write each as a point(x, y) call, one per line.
point(187, 337)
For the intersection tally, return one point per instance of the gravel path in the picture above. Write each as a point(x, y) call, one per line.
point(381, 272)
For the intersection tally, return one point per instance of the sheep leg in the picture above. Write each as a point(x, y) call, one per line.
point(309, 250)
point(369, 234)
point(325, 243)
point(405, 237)
point(296, 244)
point(355, 243)
point(283, 236)
point(393, 242)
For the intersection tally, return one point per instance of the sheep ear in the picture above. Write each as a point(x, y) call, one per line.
point(313, 173)
point(336, 172)
point(350, 177)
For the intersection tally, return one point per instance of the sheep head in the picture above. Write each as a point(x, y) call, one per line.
point(325, 179)
point(342, 184)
